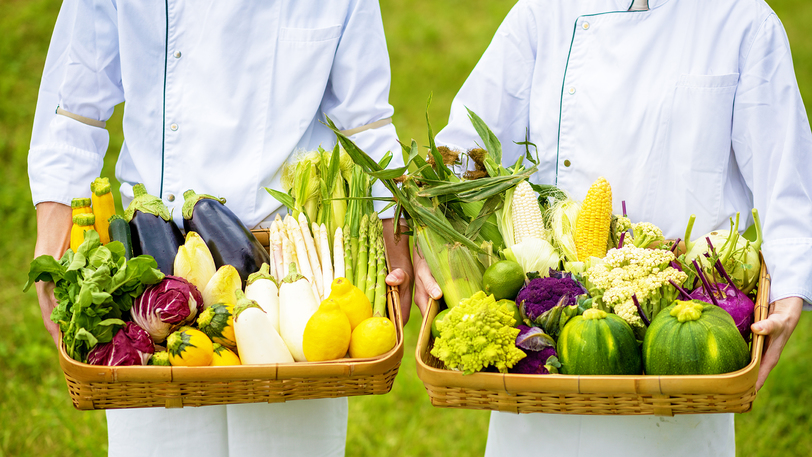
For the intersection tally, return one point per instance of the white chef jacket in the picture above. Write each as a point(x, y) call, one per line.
point(218, 96)
point(689, 108)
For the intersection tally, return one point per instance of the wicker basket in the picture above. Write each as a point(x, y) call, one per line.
point(103, 387)
point(603, 395)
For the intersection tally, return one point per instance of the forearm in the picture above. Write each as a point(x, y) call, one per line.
point(53, 229)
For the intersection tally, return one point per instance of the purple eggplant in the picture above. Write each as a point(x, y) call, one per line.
point(228, 239)
point(152, 229)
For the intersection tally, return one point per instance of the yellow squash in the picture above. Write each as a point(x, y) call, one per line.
point(103, 206)
point(217, 322)
point(81, 223)
point(189, 347)
point(224, 356)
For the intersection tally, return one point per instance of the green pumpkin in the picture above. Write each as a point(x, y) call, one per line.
point(598, 343)
point(693, 337)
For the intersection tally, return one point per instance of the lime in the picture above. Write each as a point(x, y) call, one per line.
point(517, 316)
point(435, 332)
point(503, 279)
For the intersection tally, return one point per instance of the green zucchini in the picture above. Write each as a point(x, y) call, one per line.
point(119, 230)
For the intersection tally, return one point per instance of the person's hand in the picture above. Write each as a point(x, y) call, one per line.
point(778, 326)
point(53, 238)
point(425, 285)
point(402, 274)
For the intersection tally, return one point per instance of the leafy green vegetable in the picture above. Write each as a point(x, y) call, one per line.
point(94, 286)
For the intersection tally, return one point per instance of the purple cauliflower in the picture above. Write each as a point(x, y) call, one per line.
point(542, 294)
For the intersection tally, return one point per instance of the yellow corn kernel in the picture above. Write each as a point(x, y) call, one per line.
point(594, 218)
point(527, 220)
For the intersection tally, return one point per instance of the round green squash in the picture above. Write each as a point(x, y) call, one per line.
point(693, 337)
point(598, 343)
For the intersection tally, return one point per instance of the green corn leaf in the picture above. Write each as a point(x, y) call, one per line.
point(489, 140)
point(491, 205)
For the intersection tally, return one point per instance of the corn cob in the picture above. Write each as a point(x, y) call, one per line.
point(594, 218)
point(527, 221)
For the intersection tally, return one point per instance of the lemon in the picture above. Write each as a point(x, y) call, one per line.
point(373, 337)
point(352, 300)
point(327, 333)
point(503, 279)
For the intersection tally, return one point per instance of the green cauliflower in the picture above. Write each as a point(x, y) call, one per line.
point(476, 334)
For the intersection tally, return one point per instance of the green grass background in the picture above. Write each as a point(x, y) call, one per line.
point(433, 45)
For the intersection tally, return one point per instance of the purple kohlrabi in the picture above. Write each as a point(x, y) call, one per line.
point(166, 306)
point(131, 345)
point(726, 296)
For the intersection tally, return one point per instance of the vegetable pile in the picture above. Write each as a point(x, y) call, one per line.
point(597, 285)
point(145, 294)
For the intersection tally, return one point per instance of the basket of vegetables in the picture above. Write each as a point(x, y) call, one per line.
point(224, 315)
point(556, 305)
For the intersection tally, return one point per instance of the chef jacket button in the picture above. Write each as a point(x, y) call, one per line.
point(170, 197)
point(177, 54)
point(173, 127)
point(585, 25)
point(567, 163)
point(571, 90)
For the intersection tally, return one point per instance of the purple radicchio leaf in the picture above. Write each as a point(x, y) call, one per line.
point(167, 306)
point(131, 345)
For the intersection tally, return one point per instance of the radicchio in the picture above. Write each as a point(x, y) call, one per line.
point(131, 345)
point(167, 306)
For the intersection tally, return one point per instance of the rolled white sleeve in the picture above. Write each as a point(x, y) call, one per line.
point(772, 143)
point(358, 91)
point(82, 75)
point(498, 88)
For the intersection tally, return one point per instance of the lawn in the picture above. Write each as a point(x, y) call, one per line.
point(433, 45)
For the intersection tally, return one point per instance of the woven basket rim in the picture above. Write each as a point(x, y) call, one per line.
point(738, 382)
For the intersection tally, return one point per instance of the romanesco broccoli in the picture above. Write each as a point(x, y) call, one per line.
point(476, 334)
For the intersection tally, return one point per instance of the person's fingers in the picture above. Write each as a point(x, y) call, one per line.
point(425, 285)
point(47, 303)
point(399, 277)
point(778, 327)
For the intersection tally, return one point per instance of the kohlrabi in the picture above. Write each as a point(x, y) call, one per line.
point(739, 256)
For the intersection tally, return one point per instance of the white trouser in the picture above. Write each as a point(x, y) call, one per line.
point(296, 428)
point(566, 435)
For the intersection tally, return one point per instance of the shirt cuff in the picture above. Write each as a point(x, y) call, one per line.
point(789, 263)
point(59, 173)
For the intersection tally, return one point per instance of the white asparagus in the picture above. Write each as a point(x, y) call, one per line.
point(338, 254)
point(301, 254)
point(314, 228)
point(326, 264)
point(288, 256)
point(312, 254)
point(271, 263)
point(277, 251)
